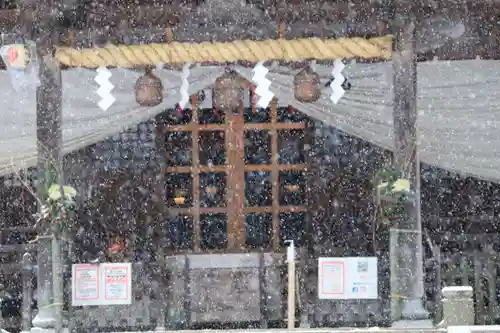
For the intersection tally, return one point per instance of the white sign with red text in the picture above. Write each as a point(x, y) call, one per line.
point(85, 285)
point(117, 283)
point(348, 278)
point(101, 284)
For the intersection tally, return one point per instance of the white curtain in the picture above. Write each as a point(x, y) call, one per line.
point(458, 110)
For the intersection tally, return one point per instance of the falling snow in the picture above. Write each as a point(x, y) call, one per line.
point(223, 214)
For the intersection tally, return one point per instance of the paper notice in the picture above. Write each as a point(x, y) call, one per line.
point(116, 283)
point(333, 277)
point(85, 283)
point(348, 278)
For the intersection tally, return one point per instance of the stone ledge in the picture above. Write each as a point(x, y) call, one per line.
point(451, 329)
point(474, 329)
point(457, 292)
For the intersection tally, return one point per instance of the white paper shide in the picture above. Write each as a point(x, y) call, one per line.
point(348, 278)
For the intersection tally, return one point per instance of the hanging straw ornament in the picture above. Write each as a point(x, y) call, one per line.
point(149, 89)
point(306, 86)
point(229, 90)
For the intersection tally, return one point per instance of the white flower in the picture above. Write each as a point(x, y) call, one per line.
point(54, 193)
point(401, 185)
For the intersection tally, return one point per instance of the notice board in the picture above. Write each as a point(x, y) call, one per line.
point(348, 278)
point(101, 284)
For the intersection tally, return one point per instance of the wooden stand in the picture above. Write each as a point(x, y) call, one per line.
point(290, 258)
point(291, 294)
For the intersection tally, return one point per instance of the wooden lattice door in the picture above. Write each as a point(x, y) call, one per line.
point(231, 185)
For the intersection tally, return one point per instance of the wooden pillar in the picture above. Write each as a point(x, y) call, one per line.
point(275, 172)
point(49, 165)
point(408, 249)
point(27, 275)
point(308, 263)
point(160, 218)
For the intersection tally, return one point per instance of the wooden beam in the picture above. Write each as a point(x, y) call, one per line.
point(150, 24)
point(8, 19)
point(247, 126)
point(464, 238)
point(480, 39)
point(349, 16)
point(138, 15)
point(254, 168)
point(19, 248)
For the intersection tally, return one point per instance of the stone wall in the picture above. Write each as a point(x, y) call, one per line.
point(224, 288)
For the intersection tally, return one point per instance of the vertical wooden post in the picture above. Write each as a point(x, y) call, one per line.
point(275, 175)
point(27, 276)
point(236, 177)
point(263, 287)
point(49, 152)
point(275, 172)
point(161, 216)
point(437, 285)
point(195, 163)
point(409, 246)
point(307, 263)
point(25, 21)
point(291, 294)
point(187, 293)
point(314, 214)
point(290, 258)
point(239, 177)
point(396, 300)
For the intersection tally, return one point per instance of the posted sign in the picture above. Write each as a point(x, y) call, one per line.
point(14, 55)
point(101, 284)
point(348, 278)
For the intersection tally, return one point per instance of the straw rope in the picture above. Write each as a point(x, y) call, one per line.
point(128, 56)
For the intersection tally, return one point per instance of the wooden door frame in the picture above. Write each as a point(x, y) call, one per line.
point(274, 168)
point(236, 179)
point(235, 168)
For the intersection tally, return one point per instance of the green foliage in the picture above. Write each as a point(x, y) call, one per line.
point(391, 192)
point(387, 175)
point(59, 207)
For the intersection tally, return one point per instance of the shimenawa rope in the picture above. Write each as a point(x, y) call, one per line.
point(128, 56)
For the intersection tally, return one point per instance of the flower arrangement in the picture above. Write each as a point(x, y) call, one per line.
point(56, 203)
point(58, 206)
point(392, 190)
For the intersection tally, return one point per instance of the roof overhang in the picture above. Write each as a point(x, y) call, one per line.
point(222, 23)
